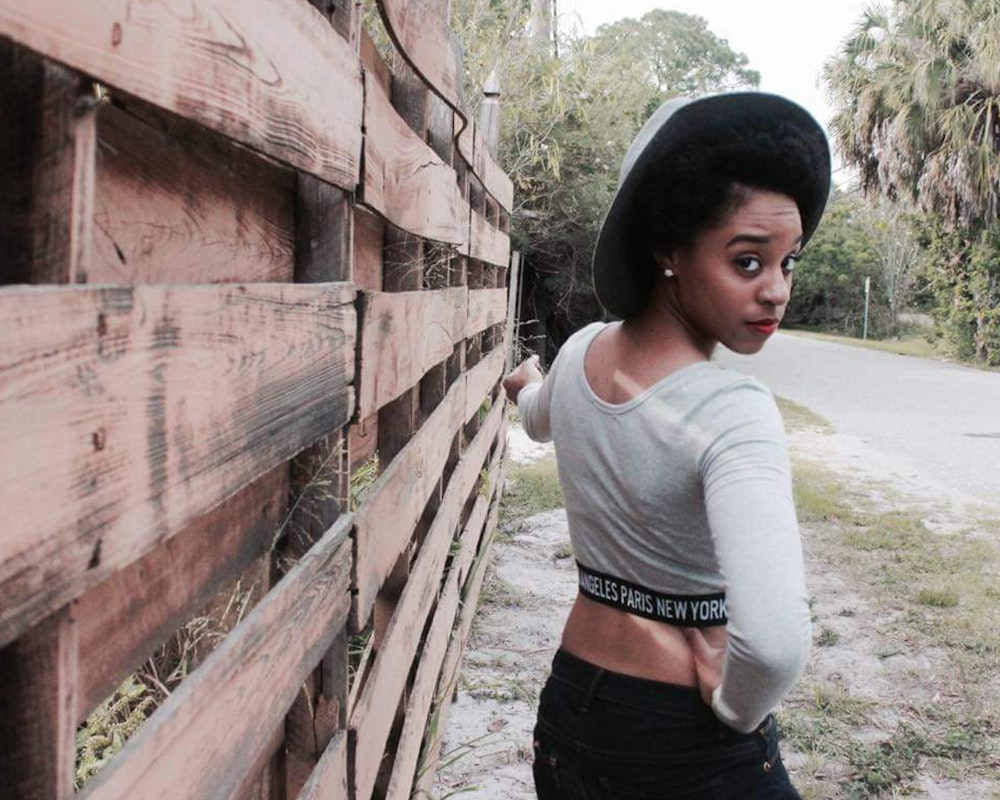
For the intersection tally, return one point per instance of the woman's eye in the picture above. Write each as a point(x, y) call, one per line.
point(749, 265)
point(788, 265)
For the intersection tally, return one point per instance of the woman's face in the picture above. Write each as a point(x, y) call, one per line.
point(732, 284)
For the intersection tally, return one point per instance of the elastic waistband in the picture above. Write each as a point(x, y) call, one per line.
point(641, 692)
point(686, 610)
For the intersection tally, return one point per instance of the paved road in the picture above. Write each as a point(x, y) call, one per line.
point(943, 420)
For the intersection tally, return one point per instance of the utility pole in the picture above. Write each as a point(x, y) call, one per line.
point(541, 26)
point(868, 292)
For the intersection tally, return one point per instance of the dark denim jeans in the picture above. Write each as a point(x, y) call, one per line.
point(605, 736)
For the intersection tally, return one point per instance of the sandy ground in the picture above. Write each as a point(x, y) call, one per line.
point(487, 750)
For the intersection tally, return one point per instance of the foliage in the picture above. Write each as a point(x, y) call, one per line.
point(531, 489)
point(107, 729)
point(566, 123)
point(963, 275)
point(855, 241)
point(828, 290)
point(892, 230)
point(917, 87)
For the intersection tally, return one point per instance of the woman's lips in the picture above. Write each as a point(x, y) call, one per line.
point(765, 326)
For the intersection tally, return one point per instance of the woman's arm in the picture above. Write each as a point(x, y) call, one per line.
point(751, 513)
point(527, 387)
point(525, 373)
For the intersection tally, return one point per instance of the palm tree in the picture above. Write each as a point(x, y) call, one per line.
point(917, 86)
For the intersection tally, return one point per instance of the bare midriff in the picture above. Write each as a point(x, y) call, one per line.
point(630, 645)
point(606, 636)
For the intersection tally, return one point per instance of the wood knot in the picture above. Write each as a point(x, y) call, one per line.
point(116, 34)
point(95, 556)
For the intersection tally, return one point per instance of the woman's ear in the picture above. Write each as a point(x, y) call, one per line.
point(664, 262)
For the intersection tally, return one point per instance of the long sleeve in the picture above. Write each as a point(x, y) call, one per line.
point(751, 515)
point(533, 406)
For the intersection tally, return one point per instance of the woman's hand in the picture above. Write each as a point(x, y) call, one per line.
point(708, 660)
point(526, 372)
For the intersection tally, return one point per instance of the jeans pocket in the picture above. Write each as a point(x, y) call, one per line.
point(558, 770)
point(545, 770)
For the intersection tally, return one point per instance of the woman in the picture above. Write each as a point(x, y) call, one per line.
point(692, 620)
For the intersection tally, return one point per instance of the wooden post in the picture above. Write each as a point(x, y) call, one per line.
point(513, 309)
point(489, 112)
point(47, 166)
point(38, 724)
point(320, 475)
point(48, 142)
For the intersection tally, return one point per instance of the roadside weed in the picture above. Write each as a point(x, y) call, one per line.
point(930, 609)
point(531, 489)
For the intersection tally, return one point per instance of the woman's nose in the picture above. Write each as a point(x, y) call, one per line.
point(776, 287)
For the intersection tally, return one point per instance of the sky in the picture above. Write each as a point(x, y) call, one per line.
point(787, 41)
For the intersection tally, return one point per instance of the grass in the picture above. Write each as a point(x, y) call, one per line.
point(918, 344)
point(941, 592)
point(828, 637)
point(531, 489)
point(798, 417)
point(908, 344)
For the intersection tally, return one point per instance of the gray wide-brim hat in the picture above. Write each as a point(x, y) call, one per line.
point(681, 122)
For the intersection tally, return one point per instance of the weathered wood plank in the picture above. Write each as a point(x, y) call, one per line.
point(404, 179)
point(487, 307)
point(494, 179)
point(127, 412)
point(372, 717)
point(394, 504)
point(177, 205)
point(329, 779)
point(422, 693)
point(473, 555)
point(487, 243)
point(262, 781)
point(324, 232)
point(199, 743)
point(403, 335)
point(475, 527)
point(465, 140)
point(373, 62)
point(480, 381)
point(435, 646)
point(468, 571)
point(346, 19)
point(38, 698)
point(368, 240)
point(125, 618)
point(474, 581)
point(266, 73)
point(362, 440)
point(477, 155)
point(420, 32)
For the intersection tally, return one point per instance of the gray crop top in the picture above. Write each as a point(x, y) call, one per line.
point(686, 489)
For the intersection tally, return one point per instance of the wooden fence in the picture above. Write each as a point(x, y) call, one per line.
point(241, 258)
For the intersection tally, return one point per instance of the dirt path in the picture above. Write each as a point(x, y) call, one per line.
point(897, 698)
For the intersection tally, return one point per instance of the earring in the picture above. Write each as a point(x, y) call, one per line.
point(668, 273)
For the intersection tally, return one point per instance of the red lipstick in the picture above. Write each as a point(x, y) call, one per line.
point(764, 326)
